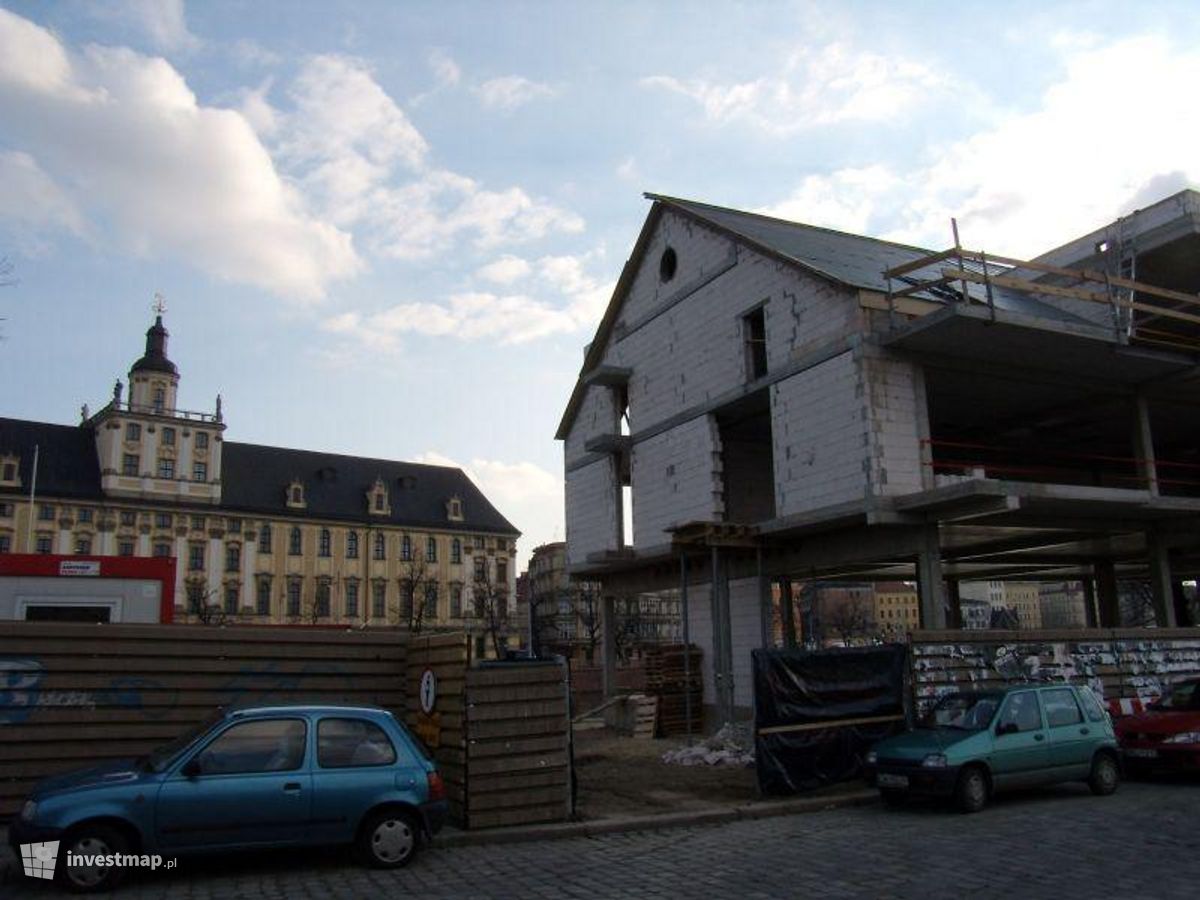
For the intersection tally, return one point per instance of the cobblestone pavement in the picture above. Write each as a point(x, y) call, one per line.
point(1061, 843)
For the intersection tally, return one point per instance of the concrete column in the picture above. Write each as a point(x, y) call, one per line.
point(722, 638)
point(766, 636)
point(787, 613)
point(1143, 443)
point(608, 636)
point(953, 605)
point(1106, 593)
point(1089, 603)
point(1161, 583)
point(929, 580)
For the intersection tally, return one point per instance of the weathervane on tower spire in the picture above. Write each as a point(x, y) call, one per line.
point(160, 303)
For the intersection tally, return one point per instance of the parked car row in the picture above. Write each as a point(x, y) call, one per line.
point(974, 744)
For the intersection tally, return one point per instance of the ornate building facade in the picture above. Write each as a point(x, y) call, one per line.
point(261, 534)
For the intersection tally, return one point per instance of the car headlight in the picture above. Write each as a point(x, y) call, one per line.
point(28, 811)
point(934, 761)
point(1185, 737)
point(872, 757)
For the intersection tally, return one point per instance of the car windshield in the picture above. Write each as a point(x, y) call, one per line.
point(1181, 696)
point(965, 712)
point(157, 760)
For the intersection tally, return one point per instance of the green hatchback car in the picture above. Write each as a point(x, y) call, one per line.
point(972, 744)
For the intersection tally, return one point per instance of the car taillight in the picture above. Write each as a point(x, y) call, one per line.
point(437, 787)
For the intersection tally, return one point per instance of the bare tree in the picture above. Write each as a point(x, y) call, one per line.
point(848, 618)
point(587, 610)
point(490, 601)
point(416, 579)
point(628, 627)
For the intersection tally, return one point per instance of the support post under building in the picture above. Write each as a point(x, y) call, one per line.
point(609, 645)
point(929, 580)
point(1106, 594)
point(1162, 585)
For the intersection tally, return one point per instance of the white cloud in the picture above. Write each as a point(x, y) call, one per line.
point(32, 202)
point(627, 170)
point(511, 91)
point(1030, 181)
point(445, 69)
point(417, 219)
point(578, 301)
point(163, 21)
point(128, 144)
point(845, 200)
point(829, 84)
point(358, 155)
point(270, 195)
point(524, 493)
point(505, 270)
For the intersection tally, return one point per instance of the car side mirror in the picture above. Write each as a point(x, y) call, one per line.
point(1006, 728)
point(191, 768)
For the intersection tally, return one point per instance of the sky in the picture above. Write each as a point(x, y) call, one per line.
point(390, 229)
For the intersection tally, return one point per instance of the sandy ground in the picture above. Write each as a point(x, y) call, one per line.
point(626, 776)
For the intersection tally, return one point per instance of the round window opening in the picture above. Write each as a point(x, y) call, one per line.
point(667, 264)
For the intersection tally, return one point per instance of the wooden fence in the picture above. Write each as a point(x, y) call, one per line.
point(75, 694)
point(518, 745)
point(443, 727)
point(500, 732)
point(1117, 664)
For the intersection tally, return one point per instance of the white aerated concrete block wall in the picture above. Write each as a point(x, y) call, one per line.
point(591, 494)
point(820, 437)
point(893, 394)
point(745, 629)
point(677, 479)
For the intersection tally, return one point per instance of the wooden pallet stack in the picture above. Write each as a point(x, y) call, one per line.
point(666, 679)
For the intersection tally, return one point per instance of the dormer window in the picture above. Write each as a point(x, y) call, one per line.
point(377, 499)
point(454, 509)
point(295, 495)
point(9, 466)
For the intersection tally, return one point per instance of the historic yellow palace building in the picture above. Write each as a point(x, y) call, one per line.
point(260, 534)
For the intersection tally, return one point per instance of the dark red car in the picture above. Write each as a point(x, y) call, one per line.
point(1166, 737)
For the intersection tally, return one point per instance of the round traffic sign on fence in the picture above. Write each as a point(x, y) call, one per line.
point(428, 691)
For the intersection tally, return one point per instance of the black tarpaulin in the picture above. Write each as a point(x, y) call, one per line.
point(816, 713)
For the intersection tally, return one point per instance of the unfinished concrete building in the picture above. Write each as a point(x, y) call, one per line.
point(780, 401)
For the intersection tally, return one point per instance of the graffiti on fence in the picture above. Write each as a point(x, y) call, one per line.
point(23, 693)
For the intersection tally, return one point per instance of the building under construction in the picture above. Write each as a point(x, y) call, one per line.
point(776, 401)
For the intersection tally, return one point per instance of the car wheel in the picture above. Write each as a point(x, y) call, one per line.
point(90, 841)
point(1105, 775)
point(892, 797)
point(389, 839)
point(971, 792)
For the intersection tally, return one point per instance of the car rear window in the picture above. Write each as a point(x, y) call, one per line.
point(351, 743)
point(1061, 708)
point(1092, 706)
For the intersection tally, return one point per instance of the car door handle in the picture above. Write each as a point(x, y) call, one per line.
point(292, 786)
point(1084, 731)
point(1039, 737)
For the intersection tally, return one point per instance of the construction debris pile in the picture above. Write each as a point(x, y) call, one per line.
point(731, 746)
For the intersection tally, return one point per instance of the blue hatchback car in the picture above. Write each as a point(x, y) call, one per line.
point(250, 778)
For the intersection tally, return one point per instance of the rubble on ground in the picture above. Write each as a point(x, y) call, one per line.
point(731, 746)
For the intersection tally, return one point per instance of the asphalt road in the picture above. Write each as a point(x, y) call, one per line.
point(1061, 842)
